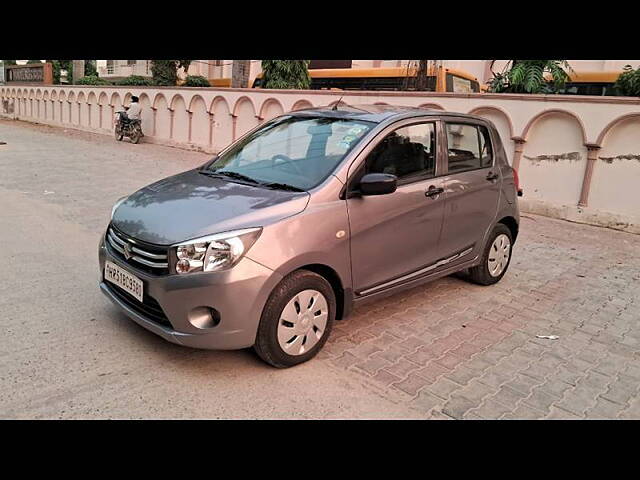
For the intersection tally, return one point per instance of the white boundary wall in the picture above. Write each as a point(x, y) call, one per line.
point(578, 157)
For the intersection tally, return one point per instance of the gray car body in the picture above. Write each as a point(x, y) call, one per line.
point(366, 247)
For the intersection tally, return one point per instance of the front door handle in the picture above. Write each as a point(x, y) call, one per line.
point(492, 176)
point(433, 192)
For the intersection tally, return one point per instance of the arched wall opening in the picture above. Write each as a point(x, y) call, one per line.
point(616, 174)
point(554, 159)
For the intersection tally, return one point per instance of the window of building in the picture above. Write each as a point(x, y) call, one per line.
point(408, 152)
point(131, 62)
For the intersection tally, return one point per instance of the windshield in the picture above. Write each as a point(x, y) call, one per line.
point(298, 152)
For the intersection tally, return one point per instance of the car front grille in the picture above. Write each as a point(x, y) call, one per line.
point(149, 308)
point(144, 256)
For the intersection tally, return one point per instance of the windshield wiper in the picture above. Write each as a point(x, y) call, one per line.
point(283, 186)
point(234, 175)
point(244, 178)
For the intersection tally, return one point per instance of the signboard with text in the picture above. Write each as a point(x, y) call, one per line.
point(35, 74)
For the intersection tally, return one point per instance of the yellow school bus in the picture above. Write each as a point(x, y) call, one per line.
point(591, 83)
point(395, 78)
point(220, 82)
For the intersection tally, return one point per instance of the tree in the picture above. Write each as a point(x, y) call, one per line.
point(165, 72)
point(58, 65)
point(9, 62)
point(90, 69)
point(528, 76)
point(286, 74)
point(240, 73)
point(422, 75)
point(31, 62)
point(628, 83)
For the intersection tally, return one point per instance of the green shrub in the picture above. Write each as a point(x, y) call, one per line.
point(135, 80)
point(628, 83)
point(93, 80)
point(286, 74)
point(196, 81)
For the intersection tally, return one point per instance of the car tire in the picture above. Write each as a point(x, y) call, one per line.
point(487, 272)
point(277, 324)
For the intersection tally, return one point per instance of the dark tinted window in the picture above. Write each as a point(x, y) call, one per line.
point(469, 147)
point(598, 89)
point(406, 152)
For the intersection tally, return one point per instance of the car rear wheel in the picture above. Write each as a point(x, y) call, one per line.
point(296, 320)
point(496, 257)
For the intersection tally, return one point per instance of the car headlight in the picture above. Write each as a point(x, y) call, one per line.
point(116, 205)
point(215, 252)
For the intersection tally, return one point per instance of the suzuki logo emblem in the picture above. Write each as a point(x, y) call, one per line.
point(127, 251)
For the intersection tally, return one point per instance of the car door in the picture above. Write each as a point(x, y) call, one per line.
point(396, 234)
point(472, 185)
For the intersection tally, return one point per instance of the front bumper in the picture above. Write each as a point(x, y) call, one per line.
point(238, 294)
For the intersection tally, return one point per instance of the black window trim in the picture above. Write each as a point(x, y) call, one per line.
point(445, 140)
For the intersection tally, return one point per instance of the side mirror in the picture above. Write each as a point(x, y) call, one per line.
point(378, 184)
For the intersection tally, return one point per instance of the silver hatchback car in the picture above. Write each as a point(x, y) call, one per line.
point(309, 214)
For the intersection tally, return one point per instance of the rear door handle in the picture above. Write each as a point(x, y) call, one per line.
point(433, 191)
point(492, 176)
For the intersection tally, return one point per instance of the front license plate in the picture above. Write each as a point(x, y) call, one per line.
point(119, 276)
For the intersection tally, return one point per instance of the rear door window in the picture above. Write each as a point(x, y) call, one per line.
point(468, 147)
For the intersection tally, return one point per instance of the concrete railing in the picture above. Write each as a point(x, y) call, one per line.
point(578, 157)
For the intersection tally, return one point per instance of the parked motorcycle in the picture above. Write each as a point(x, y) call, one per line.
point(125, 127)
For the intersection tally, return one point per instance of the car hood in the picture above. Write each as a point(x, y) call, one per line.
point(191, 205)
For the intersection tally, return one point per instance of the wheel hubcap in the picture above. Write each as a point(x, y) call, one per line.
point(302, 322)
point(499, 255)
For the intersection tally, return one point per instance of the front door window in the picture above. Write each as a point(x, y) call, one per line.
point(408, 153)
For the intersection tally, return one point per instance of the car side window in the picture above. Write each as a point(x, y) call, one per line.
point(406, 152)
point(463, 146)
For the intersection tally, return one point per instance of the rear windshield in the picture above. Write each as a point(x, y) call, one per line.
point(296, 151)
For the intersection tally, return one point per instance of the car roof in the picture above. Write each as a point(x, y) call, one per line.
point(375, 113)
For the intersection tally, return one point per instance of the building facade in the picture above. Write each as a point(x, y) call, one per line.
point(218, 70)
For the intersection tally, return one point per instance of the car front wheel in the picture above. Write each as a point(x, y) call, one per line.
point(496, 257)
point(296, 320)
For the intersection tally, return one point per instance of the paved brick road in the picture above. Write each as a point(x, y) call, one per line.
point(454, 349)
point(450, 349)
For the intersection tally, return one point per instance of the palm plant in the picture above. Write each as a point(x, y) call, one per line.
point(528, 76)
point(628, 83)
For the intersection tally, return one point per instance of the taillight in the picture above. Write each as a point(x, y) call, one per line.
point(516, 180)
